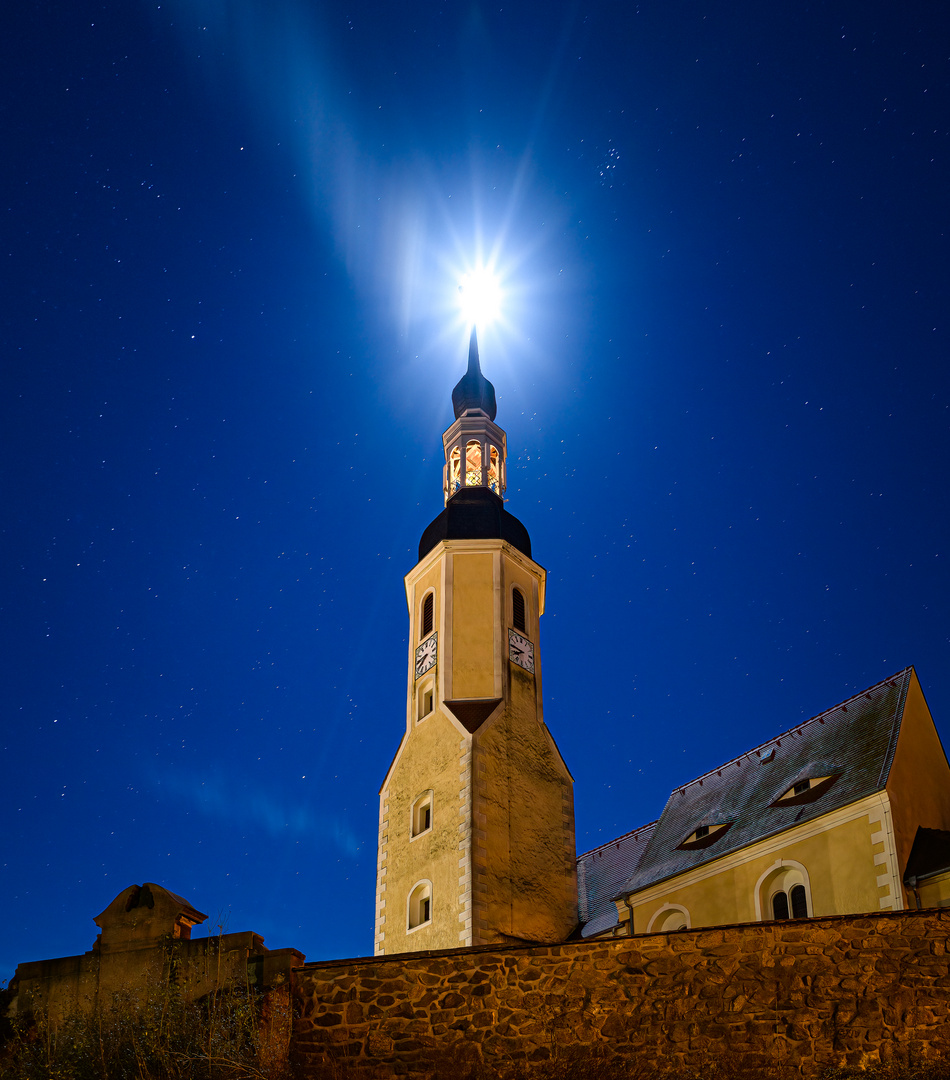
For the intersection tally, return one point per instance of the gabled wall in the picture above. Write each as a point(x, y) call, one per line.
point(918, 783)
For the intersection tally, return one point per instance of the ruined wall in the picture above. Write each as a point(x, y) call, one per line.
point(780, 999)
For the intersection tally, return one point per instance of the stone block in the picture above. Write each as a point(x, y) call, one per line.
point(328, 1020)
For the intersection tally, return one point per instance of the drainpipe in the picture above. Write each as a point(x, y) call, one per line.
point(912, 882)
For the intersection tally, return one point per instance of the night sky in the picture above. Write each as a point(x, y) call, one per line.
point(231, 237)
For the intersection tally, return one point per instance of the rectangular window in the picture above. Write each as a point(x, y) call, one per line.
point(421, 817)
point(426, 702)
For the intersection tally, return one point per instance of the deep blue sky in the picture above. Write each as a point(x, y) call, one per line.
point(229, 231)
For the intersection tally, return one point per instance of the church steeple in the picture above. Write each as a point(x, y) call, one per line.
point(476, 823)
point(474, 438)
point(475, 472)
point(473, 390)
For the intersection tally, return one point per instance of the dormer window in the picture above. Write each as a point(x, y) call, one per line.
point(806, 790)
point(704, 835)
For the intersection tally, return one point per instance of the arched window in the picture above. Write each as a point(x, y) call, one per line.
point(669, 917)
point(455, 472)
point(517, 610)
point(428, 614)
point(493, 478)
point(420, 905)
point(473, 464)
point(799, 902)
point(790, 904)
point(784, 892)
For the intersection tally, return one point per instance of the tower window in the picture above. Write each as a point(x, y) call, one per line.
point(455, 470)
point(473, 464)
point(421, 815)
point(517, 610)
point(493, 478)
point(420, 905)
point(428, 614)
point(426, 702)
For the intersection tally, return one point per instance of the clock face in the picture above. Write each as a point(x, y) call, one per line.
point(520, 651)
point(425, 654)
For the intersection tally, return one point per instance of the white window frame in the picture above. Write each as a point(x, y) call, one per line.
point(421, 891)
point(661, 915)
point(425, 696)
point(780, 877)
point(419, 803)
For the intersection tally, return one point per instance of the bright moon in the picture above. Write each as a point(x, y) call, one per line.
point(480, 297)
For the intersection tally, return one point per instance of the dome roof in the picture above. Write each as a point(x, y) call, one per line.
point(473, 390)
point(475, 514)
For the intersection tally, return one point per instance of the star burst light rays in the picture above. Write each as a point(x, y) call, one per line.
point(480, 297)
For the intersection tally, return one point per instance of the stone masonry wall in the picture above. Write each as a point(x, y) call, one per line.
point(779, 999)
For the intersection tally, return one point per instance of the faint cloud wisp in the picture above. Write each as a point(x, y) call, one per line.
point(239, 804)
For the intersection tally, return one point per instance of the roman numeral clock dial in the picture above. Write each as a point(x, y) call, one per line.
point(425, 654)
point(520, 651)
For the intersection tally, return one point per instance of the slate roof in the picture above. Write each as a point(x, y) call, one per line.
point(855, 739)
point(600, 875)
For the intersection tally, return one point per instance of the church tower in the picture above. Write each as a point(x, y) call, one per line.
point(476, 824)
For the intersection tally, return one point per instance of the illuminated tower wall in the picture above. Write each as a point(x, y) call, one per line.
point(476, 835)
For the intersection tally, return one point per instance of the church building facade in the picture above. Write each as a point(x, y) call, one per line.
point(846, 813)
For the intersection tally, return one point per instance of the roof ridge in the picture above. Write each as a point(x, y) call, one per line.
point(895, 734)
point(795, 728)
point(616, 840)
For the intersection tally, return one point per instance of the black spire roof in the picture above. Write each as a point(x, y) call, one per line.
point(473, 390)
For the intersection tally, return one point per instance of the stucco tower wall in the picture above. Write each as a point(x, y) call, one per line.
point(499, 856)
point(524, 855)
